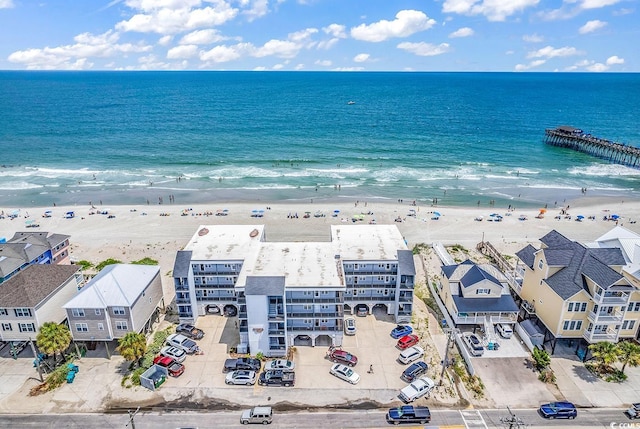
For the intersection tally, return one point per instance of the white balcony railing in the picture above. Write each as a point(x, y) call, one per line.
point(605, 317)
point(594, 337)
point(619, 299)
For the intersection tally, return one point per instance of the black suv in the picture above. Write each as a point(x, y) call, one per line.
point(409, 414)
point(559, 410)
point(414, 371)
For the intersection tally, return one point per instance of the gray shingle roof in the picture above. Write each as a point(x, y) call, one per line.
point(504, 303)
point(182, 263)
point(406, 265)
point(475, 275)
point(32, 285)
point(266, 285)
point(578, 261)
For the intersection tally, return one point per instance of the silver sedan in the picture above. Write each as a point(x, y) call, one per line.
point(241, 377)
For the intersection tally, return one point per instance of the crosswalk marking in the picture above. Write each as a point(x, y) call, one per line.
point(473, 419)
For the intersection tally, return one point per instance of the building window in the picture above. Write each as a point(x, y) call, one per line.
point(540, 264)
point(118, 311)
point(7, 327)
point(77, 312)
point(483, 291)
point(82, 327)
point(27, 327)
point(3, 312)
point(628, 324)
point(100, 327)
point(583, 307)
point(306, 307)
point(570, 308)
point(572, 325)
point(121, 325)
point(633, 306)
point(22, 312)
point(98, 312)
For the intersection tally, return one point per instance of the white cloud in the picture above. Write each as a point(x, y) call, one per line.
point(571, 8)
point(182, 52)
point(424, 49)
point(592, 26)
point(327, 44)
point(278, 48)
point(6, 4)
point(597, 67)
point(462, 32)
point(165, 40)
point(171, 20)
point(324, 63)
point(407, 22)
point(349, 69)
point(302, 35)
point(361, 58)
point(494, 10)
point(551, 52)
point(259, 8)
point(531, 65)
point(66, 56)
point(152, 5)
point(202, 37)
point(223, 54)
point(533, 38)
point(614, 60)
point(597, 4)
point(299, 67)
point(336, 30)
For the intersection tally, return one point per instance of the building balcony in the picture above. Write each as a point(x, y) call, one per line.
point(276, 331)
point(594, 337)
point(312, 300)
point(479, 318)
point(609, 299)
point(604, 318)
point(275, 316)
point(183, 301)
point(294, 329)
point(317, 314)
point(182, 288)
point(528, 307)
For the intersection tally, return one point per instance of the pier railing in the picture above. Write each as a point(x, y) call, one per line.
point(576, 139)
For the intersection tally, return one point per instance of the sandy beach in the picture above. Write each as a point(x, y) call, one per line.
point(158, 231)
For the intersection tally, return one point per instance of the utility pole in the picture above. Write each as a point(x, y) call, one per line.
point(513, 421)
point(446, 356)
point(37, 360)
point(131, 416)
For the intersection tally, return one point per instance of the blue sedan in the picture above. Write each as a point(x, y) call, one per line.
point(400, 331)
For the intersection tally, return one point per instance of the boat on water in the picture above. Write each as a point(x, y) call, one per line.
point(350, 102)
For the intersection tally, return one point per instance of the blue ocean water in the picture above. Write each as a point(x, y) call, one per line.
point(463, 138)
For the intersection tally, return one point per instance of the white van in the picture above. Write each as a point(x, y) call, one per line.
point(411, 354)
point(505, 330)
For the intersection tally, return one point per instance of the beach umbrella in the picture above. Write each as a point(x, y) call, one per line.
point(438, 214)
point(579, 217)
point(336, 211)
point(615, 216)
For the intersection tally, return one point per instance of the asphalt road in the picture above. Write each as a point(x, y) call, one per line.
point(594, 418)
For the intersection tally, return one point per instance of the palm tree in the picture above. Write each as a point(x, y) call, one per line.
point(628, 354)
point(132, 346)
point(604, 352)
point(53, 338)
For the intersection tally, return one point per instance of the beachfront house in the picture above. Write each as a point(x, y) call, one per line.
point(293, 293)
point(35, 296)
point(28, 248)
point(578, 294)
point(477, 294)
point(121, 298)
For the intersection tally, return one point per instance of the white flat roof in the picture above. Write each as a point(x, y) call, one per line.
point(225, 242)
point(302, 264)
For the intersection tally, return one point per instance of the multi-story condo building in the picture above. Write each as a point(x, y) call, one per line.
point(27, 248)
point(287, 293)
point(578, 293)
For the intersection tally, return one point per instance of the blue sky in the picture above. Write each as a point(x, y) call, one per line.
point(327, 35)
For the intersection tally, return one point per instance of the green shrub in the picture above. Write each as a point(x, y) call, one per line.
point(145, 261)
point(109, 261)
point(541, 358)
point(616, 377)
point(547, 376)
point(84, 264)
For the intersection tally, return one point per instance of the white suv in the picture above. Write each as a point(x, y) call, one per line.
point(411, 354)
point(182, 342)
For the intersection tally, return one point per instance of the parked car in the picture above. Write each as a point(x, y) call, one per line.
point(349, 326)
point(280, 364)
point(182, 342)
point(417, 389)
point(558, 410)
point(174, 368)
point(474, 344)
point(243, 376)
point(400, 331)
point(277, 377)
point(230, 311)
point(410, 354)
point(408, 414)
point(260, 415)
point(250, 364)
point(175, 353)
point(414, 371)
point(362, 310)
point(341, 356)
point(505, 330)
point(345, 373)
point(633, 412)
point(407, 341)
point(190, 331)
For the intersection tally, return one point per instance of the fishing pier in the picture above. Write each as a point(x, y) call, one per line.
point(576, 139)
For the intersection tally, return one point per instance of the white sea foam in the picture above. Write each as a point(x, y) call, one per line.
point(604, 170)
point(9, 186)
